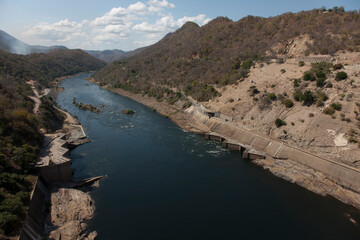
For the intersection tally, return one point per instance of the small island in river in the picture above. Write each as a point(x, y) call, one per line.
point(88, 107)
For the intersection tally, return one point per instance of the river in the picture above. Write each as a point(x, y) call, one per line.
point(165, 183)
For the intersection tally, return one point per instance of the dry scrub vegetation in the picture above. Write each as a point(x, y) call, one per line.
point(194, 60)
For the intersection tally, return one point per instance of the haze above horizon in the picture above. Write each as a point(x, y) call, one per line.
point(127, 25)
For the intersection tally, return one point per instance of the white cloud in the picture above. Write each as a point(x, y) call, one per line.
point(59, 31)
point(121, 26)
point(156, 6)
point(167, 23)
point(138, 7)
point(200, 19)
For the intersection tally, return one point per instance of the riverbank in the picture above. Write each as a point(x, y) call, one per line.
point(286, 168)
point(71, 205)
point(70, 202)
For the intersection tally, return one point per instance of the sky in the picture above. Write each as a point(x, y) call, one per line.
point(127, 25)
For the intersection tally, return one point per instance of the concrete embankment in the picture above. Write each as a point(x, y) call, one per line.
point(341, 177)
point(34, 225)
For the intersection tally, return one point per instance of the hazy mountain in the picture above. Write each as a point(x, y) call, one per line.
point(112, 55)
point(106, 55)
point(12, 45)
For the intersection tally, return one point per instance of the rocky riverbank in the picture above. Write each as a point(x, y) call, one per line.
point(288, 169)
point(70, 205)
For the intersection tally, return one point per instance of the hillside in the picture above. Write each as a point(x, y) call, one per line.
point(195, 59)
point(292, 78)
point(12, 45)
point(46, 67)
point(21, 126)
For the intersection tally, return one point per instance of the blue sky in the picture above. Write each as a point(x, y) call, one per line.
point(125, 24)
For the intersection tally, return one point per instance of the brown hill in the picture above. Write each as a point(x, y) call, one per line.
point(194, 59)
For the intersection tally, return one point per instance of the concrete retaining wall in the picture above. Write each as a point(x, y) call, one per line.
point(327, 59)
point(259, 146)
point(35, 220)
point(56, 173)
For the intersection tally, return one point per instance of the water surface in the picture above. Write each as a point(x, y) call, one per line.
point(165, 183)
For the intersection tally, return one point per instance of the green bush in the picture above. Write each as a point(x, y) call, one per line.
point(329, 85)
point(253, 91)
point(329, 110)
point(320, 82)
point(24, 197)
point(8, 181)
point(296, 82)
point(13, 206)
point(247, 64)
point(8, 222)
point(321, 96)
point(337, 106)
point(337, 66)
point(301, 63)
point(25, 157)
point(309, 76)
point(297, 95)
point(308, 98)
point(272, 96)
point(319, 103)
point(279, 122)
point(320, 74)
point(341, 76)
point(288, 103)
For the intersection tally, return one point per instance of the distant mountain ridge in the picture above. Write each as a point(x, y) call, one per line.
point(11, 44)
point(113, 55)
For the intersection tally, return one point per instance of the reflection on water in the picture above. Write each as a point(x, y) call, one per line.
point(165, 183)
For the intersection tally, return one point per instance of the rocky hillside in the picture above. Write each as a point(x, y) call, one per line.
point(292, 77)
point(196, 59)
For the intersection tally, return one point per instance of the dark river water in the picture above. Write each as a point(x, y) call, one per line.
point(165, 183)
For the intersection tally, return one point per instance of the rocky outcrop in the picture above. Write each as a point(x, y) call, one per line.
point(294, 47)
point(69, 209)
